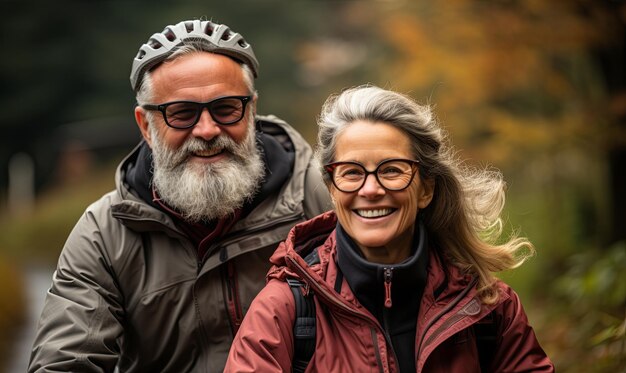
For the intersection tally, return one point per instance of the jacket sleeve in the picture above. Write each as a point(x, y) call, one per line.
point(79, 328)
point(264, 342)
point(517, 348)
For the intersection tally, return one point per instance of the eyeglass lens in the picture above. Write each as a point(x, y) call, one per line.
point(227, 110)
point(392, 175)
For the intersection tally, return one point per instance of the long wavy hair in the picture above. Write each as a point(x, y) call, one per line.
point(464, 217)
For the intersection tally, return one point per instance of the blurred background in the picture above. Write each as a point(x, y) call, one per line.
point(535, 88)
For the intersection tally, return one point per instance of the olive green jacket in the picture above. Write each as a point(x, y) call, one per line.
point(129, 290)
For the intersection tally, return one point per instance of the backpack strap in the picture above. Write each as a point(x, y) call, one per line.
point(303, 327)
point(304, 324)
point(485, 333)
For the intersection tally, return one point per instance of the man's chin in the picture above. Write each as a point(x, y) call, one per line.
point(206, 192)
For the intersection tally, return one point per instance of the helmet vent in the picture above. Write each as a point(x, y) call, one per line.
point(226, 35)
point(169, 34)
point(189, 26)
point(242, 43)
point(208, 29)
point(140, 54)
point(155, 44)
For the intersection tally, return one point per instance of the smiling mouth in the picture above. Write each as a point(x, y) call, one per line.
point(376, 213)
point(208, 152)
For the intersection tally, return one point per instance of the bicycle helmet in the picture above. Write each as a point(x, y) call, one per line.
point(216, 37)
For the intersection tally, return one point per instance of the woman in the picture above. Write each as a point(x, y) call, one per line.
point(402, 271)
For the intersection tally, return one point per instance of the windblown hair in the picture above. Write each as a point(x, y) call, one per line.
point(464, 217)
point(145, 92)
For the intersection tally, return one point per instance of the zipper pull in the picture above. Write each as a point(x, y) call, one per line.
point(388, 275)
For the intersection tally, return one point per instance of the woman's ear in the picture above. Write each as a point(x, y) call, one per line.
point(426, 193)
point(142, 123)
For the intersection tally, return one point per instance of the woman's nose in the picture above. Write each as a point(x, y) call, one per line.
point(371, 187)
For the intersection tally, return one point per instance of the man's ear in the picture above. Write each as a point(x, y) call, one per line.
point(142, 123)
point(426, 194)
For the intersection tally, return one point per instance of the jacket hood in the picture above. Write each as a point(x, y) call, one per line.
point(302, 239)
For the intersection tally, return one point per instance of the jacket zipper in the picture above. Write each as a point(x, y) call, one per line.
point(231, 286)
point(388, 274)
point(233, 301)
point(388, 277)
point(377, 350)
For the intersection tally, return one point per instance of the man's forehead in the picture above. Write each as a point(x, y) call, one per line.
point(202, 75)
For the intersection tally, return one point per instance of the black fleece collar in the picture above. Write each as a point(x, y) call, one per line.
point(367, 280)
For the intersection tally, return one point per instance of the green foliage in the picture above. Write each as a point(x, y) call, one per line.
point(593, 319)
point(596, 277)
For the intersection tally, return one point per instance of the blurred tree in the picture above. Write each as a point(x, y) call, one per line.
point(64, 58)
point(610, 52)
point(519, 84)
point(70, 60)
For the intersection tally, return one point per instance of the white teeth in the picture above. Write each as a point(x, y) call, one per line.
point(373, 213)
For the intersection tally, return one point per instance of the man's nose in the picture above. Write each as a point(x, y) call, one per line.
point(206, 128)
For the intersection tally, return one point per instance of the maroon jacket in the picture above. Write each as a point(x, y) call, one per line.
point(350, 339)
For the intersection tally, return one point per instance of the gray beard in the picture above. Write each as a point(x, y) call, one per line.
point(204, 192)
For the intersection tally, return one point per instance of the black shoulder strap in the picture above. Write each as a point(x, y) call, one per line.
point(304, 325)
point(485, 332)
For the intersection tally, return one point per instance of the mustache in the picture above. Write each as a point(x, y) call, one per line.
point(193, 144)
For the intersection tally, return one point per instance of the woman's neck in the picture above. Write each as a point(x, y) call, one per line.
point(395, 251)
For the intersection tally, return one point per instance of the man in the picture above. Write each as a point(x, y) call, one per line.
point(157, 275)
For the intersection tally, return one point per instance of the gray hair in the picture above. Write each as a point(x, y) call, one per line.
point(464, 217)
point(145, 93)
point(373, 104)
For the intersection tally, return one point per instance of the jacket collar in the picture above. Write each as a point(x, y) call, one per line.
point(369, 280)
point(443, 279)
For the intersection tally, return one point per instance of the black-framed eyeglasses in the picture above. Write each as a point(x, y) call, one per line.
point(392, 174)
point(185, 114)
